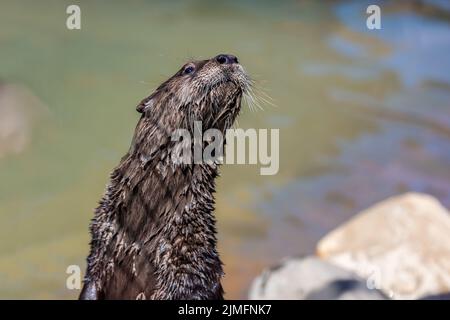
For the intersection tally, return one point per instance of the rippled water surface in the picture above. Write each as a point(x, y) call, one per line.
point(362, 114)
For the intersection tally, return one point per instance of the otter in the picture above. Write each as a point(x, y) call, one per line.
point(153, 233)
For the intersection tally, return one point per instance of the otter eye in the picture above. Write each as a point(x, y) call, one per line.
point(188, 69)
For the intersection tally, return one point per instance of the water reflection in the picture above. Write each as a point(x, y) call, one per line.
point(410, 149)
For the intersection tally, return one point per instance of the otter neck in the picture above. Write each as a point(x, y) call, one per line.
point(167, 211)
point(185, 250)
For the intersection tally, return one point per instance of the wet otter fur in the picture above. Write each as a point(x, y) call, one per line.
point(153, 233)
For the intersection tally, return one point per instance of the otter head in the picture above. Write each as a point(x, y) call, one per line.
point(209, 91)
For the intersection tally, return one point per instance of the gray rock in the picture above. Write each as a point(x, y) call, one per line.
point(311, 278)
point(19, 112)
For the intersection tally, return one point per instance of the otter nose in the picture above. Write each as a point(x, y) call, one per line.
point(226, 59)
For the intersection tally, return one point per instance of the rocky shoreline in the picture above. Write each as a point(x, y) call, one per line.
point(396, 249)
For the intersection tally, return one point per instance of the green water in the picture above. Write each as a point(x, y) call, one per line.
point(353, 116)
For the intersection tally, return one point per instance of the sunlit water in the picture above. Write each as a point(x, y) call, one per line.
point(362, 114)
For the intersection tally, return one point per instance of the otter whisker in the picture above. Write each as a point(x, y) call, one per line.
point(248, 102)
point(254, 100)
point(264, 96)
point(260, 94)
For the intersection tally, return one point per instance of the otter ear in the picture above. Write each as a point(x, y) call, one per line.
point(147, 103)
point(144, 105)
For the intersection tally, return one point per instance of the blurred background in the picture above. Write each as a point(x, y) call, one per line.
point(363, 115)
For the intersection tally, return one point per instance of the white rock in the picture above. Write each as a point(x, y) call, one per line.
point(401, 245)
